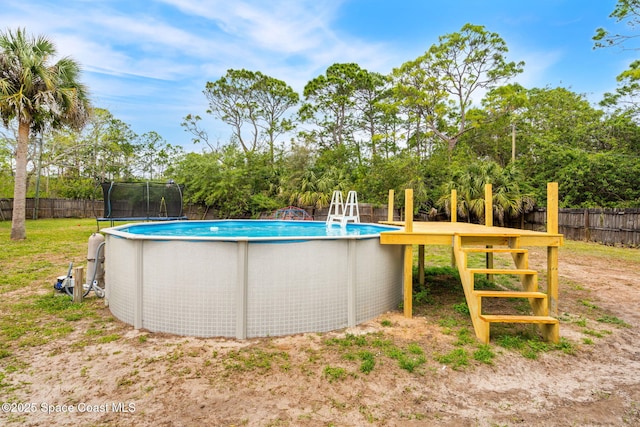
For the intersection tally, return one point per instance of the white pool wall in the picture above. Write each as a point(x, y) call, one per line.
point(245, 289)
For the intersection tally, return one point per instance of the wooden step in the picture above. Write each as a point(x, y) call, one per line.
point(514, 271)
point(509, 294)
point(508, 318)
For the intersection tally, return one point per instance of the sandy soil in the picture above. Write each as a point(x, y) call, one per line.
point(148, 379)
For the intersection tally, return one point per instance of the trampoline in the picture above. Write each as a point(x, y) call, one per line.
point(141, 201)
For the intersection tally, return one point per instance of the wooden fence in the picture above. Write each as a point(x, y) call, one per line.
point(55, 208)
point(619, 227)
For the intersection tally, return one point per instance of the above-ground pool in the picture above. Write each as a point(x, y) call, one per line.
point(249, 278)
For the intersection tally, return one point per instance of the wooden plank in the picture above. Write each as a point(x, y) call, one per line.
point(495, 250)
point(509, 294)
point(515, 272)
point(552, 207)
point(408, 281)
point(507, 318)
point(552, 279)
point(408, 210)
point(488, 221)
point(421, 264)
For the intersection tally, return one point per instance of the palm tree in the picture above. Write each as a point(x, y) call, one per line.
point(509, 200)
point(36, 94)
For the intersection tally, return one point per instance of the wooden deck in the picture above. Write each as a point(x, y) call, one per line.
point(442, 233)
point(465, 238)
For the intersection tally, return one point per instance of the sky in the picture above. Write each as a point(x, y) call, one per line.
point(148, 61)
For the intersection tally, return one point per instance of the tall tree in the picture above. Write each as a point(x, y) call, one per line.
point(329, 104)
point(37, 94)
point(450, 73)
point(247, 99)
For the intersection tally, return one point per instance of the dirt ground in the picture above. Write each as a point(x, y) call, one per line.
point(148, 379)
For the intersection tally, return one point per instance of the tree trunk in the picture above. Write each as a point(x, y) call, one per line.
point(18, 229)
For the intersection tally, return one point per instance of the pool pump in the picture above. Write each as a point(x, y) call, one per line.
point(95, 270)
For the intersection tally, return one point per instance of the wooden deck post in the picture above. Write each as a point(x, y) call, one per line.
point(421, 264)
point(408, 254)
point(454, 206)
point(453, 212)
point(488, 221)
point(390, 206)
point(552, 251)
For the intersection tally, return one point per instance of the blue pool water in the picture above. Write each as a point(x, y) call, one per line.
point(254, 229)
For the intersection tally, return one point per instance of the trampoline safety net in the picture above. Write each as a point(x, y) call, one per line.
point(142, 201)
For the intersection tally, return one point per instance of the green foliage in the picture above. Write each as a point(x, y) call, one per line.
point(358, 130)
point(249, 100)
point(461, 308)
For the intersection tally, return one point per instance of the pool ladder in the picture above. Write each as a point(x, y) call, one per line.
point(342, 213)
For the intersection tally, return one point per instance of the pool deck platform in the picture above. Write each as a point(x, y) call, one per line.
point(466, 239)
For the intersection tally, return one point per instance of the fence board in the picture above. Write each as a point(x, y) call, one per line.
point(612, 226)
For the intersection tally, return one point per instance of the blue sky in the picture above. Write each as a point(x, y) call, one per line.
point(148, 61)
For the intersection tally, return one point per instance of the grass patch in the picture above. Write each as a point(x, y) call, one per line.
point(333, 374)
point(366, 348)
point(456, 359)
point(484, 354)
point(461, 308)
point(613, 320)
point(368, 361)
point(464, 337)
point(255, 359)
point(597, 334)
point(530, 347)
point(588, 304)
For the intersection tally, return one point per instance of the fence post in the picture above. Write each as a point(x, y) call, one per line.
point(587, 231)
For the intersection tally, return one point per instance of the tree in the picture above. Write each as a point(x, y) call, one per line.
point(250, 99)
point(627, 11)
point(37, 94)
point(330, 104)
point(444, 80)
point(509, 199)
point(154, 154)
point(628, 90)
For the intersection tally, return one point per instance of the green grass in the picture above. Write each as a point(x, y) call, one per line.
point(255, 359)
point(32, 313)
point(457, 358)
point(484, 354)
point(613, 320)
point(332, 373)
point(368, 348)
point(593, 249)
